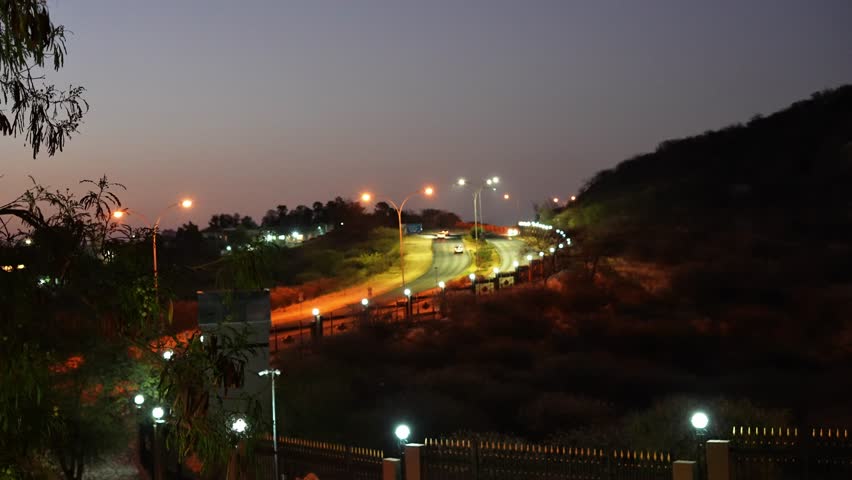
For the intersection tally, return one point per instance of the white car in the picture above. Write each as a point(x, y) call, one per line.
point(458, 248)
point(442, 234)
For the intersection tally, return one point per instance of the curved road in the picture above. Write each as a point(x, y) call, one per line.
point(446, 266)
point(509, 251)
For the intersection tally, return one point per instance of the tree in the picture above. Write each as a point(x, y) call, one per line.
point(30, 43)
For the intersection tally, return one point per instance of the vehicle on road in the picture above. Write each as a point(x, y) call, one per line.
point(458, 248)
point(442, 234)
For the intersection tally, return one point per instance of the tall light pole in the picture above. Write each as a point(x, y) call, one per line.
point(155, 226)
point(477, 204)
point(427, 191)
point(272, 374)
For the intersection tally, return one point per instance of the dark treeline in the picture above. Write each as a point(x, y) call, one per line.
point(335, 214)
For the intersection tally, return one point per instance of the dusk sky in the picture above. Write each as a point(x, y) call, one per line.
point(245, 105)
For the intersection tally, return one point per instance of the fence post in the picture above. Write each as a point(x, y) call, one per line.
point(718, 460)
point(683, 470)
point(391, 469)
point(413, 461)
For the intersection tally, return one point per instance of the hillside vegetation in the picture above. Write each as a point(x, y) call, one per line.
point(752, 223)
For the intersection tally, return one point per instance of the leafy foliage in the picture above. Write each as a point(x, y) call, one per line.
point(29, 43)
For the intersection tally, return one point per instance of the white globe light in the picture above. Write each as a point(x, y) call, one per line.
point(442, 285)
point(515, 264)
point(407, 292)
point(139, 399)
point(699, 420)
point(496, 270)
point(239, 425)
point(472, 277)
point(315, 312)
point(529, 258)
point(168, 354)
point(402, 432)
point(364, 302)
point(158, 414)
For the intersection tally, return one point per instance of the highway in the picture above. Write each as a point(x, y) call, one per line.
point(509, 251)
point(446, 266)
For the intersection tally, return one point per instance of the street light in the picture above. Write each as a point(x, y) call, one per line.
point(442, 285)
point(472, 277)
point(496, 270)
point(315, 312)
point(551, 249)
point(529, 258)
point(515, 263)
point(139, 399)
point(477, 203)
point(155, 226)
point(505, 196)
point(365, 302)
point(540, 254)
point(555, 199)
point(407, 292)
point(273, 372)
point(699, 420)
point(158, 413)
point(427, 191)
point(168, 354)
point(573, 197)
point(402, 432)
point(239, 425)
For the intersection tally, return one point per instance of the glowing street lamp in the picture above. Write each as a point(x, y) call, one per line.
point(315, 312)
point(426, 191)
point(442, 285)
point(472, 277)
point(551, 249)
point(529, 258)
point(365, 302)
point(138, 400)
point(168, 354)
point(158, 413)
point(573, 197)
point(239, 425)
point(155, 226)
point(407, 292)
point(273, 372)
point(540, 254)
point(402, 432)
point(699, 420)
point(505, 196)
point(496, 270)
point(515, 263)
point(555, 199)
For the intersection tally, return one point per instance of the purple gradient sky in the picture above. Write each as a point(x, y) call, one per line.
point(249, 104)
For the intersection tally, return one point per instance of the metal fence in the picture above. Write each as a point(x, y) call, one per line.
point(297, 458)
point(444, 459)
point(782, 453)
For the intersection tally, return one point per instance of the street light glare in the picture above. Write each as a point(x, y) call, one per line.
point(186, 203)
point(402, 432)
point(366, 197)
point(699, 420)
point(506, 196)
point(529, 258)
point(168, 354)
point(239, 425)
point(442, 285)
point(118, 213)
point(407, 292)
point(573, 197)
point(315, 312)
point(496, 270)
point(496, 179)
point(139, 399)
point(489, 181)
point(158, 414)
point(365, 302)
point(429, 191)
point(555, 199)
point(472, 277)
point(462, 182)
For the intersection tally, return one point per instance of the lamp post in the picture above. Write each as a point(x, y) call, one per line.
point(158, 413)
point(274, 372)
point(316, 332)
point(477, 205)
point(699, 421)
point(402, 432)
point(427, 191)
point(155, 226)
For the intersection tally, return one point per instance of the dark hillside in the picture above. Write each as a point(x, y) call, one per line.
point(774, 185)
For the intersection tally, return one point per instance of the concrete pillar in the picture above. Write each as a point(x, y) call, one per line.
point(718, 460)
point(683, 470)
point(391, 469)
point(413, 461)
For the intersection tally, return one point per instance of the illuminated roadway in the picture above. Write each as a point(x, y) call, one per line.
point(509, 251)
point(446, 266)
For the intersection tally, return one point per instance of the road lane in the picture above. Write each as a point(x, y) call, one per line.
point(509, 251)
point(446, 266)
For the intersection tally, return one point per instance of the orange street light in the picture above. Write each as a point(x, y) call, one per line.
point(505, 196)
point(573, 197)
point(186, 203)
point(555, 200)
point(427, 191)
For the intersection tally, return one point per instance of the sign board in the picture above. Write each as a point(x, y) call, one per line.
point(239, 313)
